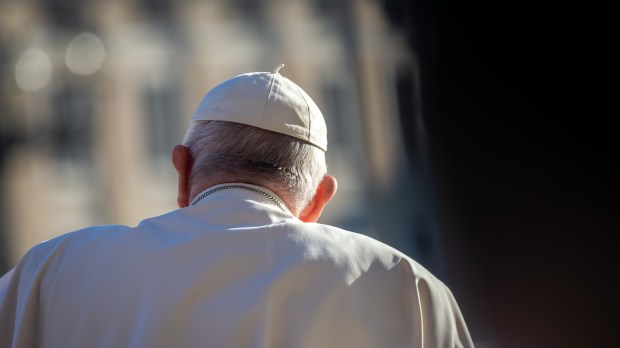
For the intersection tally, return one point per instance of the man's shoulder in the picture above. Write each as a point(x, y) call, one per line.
point(110, 231)
point(362, 249)
point(88, 232)
point(347, 239)
point(83, 235)
point(42, 254)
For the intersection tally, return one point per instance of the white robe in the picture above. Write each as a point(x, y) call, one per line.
point(234, 270)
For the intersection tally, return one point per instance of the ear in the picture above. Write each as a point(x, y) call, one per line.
point(182, 162)
point(326, 190)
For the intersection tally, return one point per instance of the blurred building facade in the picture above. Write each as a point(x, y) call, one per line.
point(94, 94)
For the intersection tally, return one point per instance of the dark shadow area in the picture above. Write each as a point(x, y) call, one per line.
point(522, 170)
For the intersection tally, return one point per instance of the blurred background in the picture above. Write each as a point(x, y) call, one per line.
point(450, 132)
point(95, 95)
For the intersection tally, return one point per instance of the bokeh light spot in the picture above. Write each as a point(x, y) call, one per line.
point(33, 70)
point(85, 54)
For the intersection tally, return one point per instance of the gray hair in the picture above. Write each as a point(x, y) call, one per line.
point(242, 153)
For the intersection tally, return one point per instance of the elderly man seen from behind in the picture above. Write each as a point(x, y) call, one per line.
point(243, 262)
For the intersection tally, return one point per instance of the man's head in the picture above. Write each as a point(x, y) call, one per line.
point(262, 129)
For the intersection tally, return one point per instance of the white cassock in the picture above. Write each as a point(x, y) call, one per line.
point(234, 270)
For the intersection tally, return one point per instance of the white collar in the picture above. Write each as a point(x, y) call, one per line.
point(242, 186)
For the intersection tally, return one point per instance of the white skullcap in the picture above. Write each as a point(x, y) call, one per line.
point(265, 100)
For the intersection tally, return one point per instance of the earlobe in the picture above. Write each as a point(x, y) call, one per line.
point(181, 160)
point(324, 193)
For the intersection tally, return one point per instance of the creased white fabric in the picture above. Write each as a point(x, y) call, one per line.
point(232, 271)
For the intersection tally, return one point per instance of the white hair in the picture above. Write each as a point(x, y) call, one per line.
point(241, 153)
